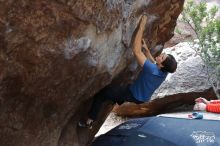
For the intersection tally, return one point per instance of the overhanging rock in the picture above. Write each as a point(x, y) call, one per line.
point(56, 54)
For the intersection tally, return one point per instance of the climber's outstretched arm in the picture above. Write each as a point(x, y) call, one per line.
point(140, 56)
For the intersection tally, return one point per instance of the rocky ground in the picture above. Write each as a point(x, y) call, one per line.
point(112, 121)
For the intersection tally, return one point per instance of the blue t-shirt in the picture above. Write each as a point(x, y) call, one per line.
point(149, 79)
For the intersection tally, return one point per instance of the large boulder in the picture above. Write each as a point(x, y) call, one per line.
point(56, 54)
point(180, 89)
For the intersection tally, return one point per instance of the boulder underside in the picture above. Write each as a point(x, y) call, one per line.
point(55, 55)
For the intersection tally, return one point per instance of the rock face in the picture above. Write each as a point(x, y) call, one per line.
point(56, 54)
point(190, 81)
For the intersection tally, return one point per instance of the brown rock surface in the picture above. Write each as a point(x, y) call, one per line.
point(171, 103)
point(54, 55)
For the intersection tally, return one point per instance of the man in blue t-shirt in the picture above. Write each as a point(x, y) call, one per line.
point(154, 72)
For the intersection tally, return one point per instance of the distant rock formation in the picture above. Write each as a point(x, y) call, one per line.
point(189, 82)
point(56, 54)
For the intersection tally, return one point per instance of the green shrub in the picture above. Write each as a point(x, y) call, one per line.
point(206, 27)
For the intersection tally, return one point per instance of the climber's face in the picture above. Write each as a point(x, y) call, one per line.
point(159, 59)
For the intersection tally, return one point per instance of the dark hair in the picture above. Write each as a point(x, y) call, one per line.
point(169, 64)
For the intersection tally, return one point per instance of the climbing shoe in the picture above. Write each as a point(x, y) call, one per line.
point(85, 124)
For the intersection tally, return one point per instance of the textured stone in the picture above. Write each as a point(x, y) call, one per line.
point(56, 54)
